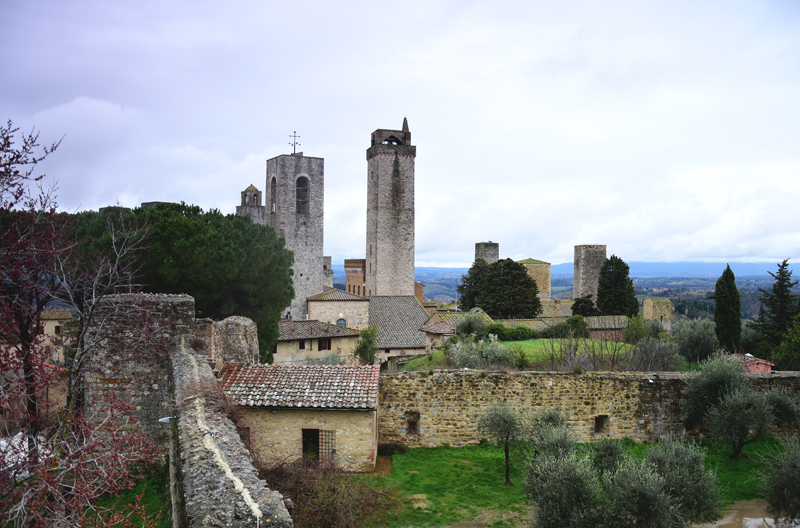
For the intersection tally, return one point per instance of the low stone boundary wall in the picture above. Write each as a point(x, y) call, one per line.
point(441, 407)
point(217, 483)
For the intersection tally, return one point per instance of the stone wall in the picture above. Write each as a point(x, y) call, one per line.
point(658, 309)
point(289, 352)
point(213, 480)
point(488, 251)
point(440, 407)
point(235, 341)
point(586, 270)
point(539, 271)
point(127, 355)
point(355, 313)
point(278, 434)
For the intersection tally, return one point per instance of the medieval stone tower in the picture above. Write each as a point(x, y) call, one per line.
point(251, 205)
point(295, 209)
point(588, 261)
point(488, 251)
point(390, 213)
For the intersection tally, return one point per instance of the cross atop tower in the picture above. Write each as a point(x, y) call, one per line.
point(294, 142)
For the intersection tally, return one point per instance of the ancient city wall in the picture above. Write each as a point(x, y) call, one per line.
point(212, 477)
point(440, 407)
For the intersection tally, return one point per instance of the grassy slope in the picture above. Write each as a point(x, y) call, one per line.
point(462, 484)
point(155, 499)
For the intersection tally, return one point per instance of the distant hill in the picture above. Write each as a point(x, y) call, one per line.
point(638, 269)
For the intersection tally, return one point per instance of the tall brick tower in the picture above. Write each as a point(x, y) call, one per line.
point(295, 209)
point(588, 261)
point(390, 213)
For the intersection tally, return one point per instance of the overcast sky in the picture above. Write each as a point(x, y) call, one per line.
point(666, 130)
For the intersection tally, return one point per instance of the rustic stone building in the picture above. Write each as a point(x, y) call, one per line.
point(658, 309)
point(398, 319)
point(588, 261)
point(299, 341)
point(390, 213)
point(355, 270)
point(329, 412)
point(340, 308)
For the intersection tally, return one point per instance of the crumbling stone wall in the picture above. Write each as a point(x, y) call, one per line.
point(235, 341)
point(214, 481)
point(441, 407)
point(128, 359)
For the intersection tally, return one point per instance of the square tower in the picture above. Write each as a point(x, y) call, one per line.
point(295, 210)
point(586, 272)
point(390, 213)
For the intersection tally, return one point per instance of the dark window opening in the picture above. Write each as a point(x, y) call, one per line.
point(319, 444)
point(273, 192)
point(302, 345)
point(396, 173)
point(662, 318)
point(601, 424)
point(303, 193)
point(412, 423)
point(58, 330)
point(324, 343)
point(359, 290)
point(341, 322)
point(392, 140)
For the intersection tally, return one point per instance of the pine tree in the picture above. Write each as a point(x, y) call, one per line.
point(728, 319)
point(615, 293)
point(779, 306)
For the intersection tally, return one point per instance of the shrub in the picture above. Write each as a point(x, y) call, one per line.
point(718, 376)
point(325, 496)
point(471, 324)
point(636, 496)
point(606, 455)
point(681, 466)
point(741, 417)
point(782, 407)
point(565, 491)
point(518, 356)
point(654, 354)
point(782, 484)
point(554, 442)
point(478, 354)
point(520, 333)
point(498, 329)
point(697, 339)
point(366, 348)
point(636, 329)
point(575, 326)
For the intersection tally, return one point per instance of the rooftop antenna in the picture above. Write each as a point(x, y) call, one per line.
point(294, 142)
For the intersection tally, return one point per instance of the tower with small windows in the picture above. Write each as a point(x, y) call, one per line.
point(251, 205)
point(295, 209)
point(390, 213)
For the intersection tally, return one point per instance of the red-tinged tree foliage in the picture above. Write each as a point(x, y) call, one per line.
point(56, 463)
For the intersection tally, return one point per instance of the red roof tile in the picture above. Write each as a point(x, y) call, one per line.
point(292, 330)
point(334, 294)
point(302, 386)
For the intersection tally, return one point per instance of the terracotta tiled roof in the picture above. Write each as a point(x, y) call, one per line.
point(398, 319)
point(556, 309)
point(746, 359)
point(302, 386)
point(439, 327)
point(334, 294)
point(291, 330)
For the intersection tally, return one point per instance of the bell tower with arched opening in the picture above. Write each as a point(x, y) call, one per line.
point(251, 205)
point(390, 213)
point(295, 209)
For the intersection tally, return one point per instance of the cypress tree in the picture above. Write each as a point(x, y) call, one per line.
point(728, 318)
point(615, 294)
point(779, 306)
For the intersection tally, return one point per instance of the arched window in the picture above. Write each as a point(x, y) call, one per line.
point(302, 195)
point(359, 290)
point(273, 195)
point(341, 322)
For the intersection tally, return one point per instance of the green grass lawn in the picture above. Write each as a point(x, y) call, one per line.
point(465, 484)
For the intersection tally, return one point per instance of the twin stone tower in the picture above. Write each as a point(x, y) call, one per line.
point(295, 206)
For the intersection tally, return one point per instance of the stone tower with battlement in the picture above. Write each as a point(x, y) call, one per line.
point(390, 213)
point(488, 251)
point(588, 261)
point(295, 209)
point(251, 205)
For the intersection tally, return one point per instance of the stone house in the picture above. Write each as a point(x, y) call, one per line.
point(436, 333)
point(750, 363)
point(340, 308)
point(55, 323)
point(658, 309)
point(328, 412)
point(398, 319)
point(299, 341)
